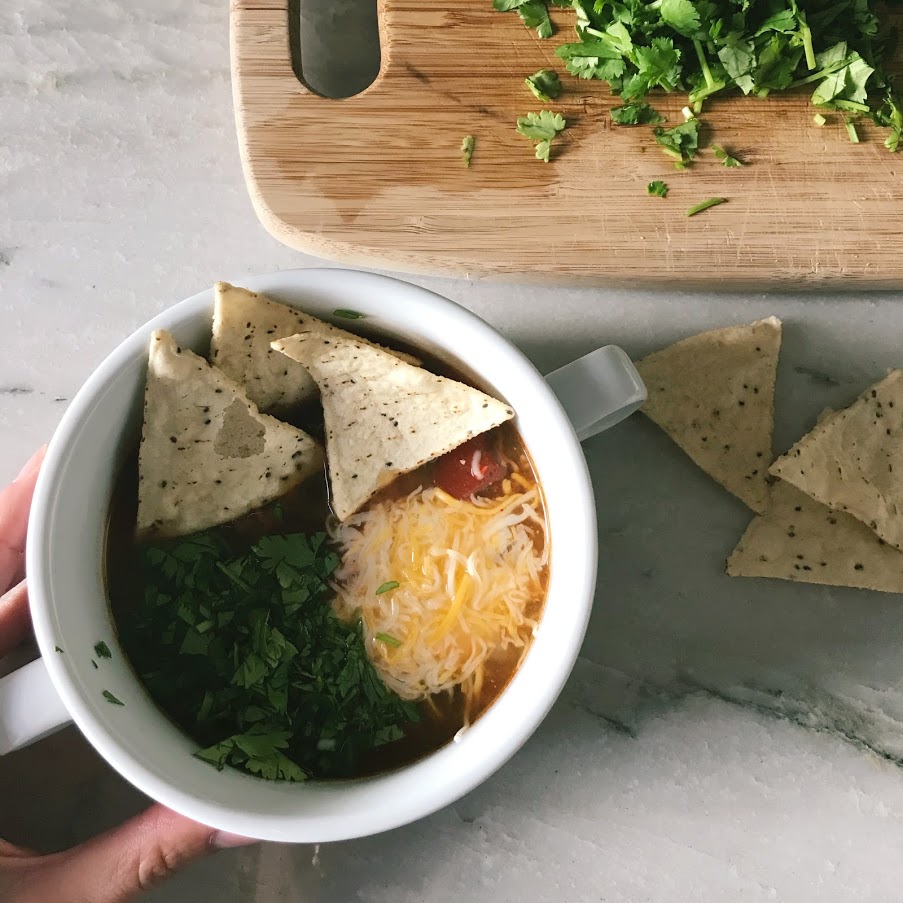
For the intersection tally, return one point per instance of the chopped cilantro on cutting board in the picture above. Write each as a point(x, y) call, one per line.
point(467, 145)
point(704, 48)
point(636, 114)
point(541, 127)
point(243, 649)
point(725, 158)
point(545, 84)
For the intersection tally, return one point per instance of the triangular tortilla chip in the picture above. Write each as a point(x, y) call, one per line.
point(244, 324)
point(384, 417)
point(207, 455)
point(801, 539)
point(713, 394)
point(853, 460)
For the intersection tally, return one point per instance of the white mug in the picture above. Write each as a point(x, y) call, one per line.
point(66, 581)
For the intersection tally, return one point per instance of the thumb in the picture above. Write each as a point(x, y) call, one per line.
point(116, 866)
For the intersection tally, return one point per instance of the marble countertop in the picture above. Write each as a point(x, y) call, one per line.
point(719, 739)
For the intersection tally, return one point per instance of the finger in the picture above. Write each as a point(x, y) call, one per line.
point(15, 503)
point(15, 622)
point(12, 567)
point(132, 858)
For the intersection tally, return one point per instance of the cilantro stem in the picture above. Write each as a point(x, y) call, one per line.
point(851, 105)
point(388, 639)
point(704, 205)
point(822, 73)
point(703, 63)
point(806, 34)
point(698, 96)
point(851, 131)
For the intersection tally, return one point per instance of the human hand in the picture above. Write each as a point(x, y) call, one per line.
point(115, 866)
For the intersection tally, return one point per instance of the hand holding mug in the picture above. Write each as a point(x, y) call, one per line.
point(121, 863)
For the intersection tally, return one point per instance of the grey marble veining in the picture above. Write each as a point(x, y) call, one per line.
point(719, 740)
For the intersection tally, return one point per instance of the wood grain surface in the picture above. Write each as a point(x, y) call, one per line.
point(378, 180)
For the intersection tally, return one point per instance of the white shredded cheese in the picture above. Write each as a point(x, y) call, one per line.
point(471, 582)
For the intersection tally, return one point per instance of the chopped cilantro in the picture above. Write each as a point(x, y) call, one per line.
point(541, 127)
point(704, 205)
point(657, 189)
point(386, 587)
point(851, 131)
point(467, 149)
point(57, 649)
point(349, 314)
point(545, 84)
point(819, 120)
point(241, 647)
point(111, 698)
point(533, 13)
point(680, 142)
point(388, 639)
point(636, 114)
point(95, 664)
point(840, 50)
point(725, 158)
point(102, 650)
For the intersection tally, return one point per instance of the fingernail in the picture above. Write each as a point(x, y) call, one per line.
point(222, 840)
point(34, 462)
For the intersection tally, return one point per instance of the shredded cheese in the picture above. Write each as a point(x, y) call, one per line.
point(471, 582)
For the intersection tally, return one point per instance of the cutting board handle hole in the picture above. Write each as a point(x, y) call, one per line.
point(335, 45)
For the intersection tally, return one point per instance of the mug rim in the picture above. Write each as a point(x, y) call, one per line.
point(494, 752)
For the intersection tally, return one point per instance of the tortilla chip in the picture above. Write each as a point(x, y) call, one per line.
point(383, 416)
point(801, 539)
point(207, 455)
point(244, 324)
point(853, 460)
point(713, 394)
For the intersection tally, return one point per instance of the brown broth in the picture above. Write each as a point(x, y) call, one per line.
point(306, 509)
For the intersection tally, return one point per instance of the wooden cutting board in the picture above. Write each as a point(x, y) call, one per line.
point(377, 179)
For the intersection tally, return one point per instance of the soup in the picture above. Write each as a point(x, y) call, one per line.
point(301, 639)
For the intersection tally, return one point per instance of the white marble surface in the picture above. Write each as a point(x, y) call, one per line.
point(719, 740)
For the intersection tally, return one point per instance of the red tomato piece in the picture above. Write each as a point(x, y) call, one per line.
point(470, 468)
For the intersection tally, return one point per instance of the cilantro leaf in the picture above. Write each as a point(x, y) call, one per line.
point(657, 189)
point(636, 114)
point(545, 84)
point(680, 142)
point(724, 157)
point(541, 127)
point(111, 698)
point(102, 650)
point(533, 13)
point(681, 15)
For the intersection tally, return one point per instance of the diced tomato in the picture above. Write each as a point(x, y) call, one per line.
point(470, 468)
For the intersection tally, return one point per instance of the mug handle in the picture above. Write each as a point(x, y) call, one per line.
point(30, 707)
point(598, 390)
